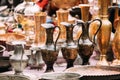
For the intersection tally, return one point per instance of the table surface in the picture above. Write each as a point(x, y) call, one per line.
point(35, 74)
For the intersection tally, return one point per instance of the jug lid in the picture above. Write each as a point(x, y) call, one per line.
point(47, 25)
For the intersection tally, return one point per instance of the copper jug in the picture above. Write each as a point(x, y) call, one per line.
point(86, 45)
point(50, 50)
point(85, 42)
point(69, 48)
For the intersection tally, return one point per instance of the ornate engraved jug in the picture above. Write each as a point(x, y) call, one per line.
point(50, 50)
point(86, 45)
point(69, 48)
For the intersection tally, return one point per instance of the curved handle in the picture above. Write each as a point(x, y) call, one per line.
point(80, 22)
point(97, 29)
point(57, 36)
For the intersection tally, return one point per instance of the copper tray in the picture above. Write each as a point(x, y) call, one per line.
point(8, 37)
point(11, 36)
point(96, 72)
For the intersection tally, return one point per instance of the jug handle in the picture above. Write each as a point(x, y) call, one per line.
point(57, 36)
point(97, 29)
point(82, 24)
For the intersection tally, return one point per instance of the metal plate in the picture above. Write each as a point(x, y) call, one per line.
point(13, 77)
point(96, 72)
point(60, 76)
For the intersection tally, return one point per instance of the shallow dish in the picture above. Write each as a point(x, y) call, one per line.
point(60, 76)
point(96, 72)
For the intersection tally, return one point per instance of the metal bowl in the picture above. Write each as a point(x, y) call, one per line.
point(65, 4)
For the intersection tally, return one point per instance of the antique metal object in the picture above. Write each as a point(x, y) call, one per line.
point(60, 76)
point(62, 16)
point(5, 39)
point(35, 59)
point(103, 37)
point(63, 13)
point(116, 44)
point(50, 50)
point(40, 35)
point(18, 60)
point(69, 48)
point(65, 4)
point(13, 77)
point(96, 72)
point(86, 45)
point(85, 11)
point(26, 9)
point(24, 15)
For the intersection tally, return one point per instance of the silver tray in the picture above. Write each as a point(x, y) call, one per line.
point(96, 72)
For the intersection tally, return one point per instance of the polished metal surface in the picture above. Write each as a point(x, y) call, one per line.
point(96, 72)
point(13, 77)
point(103, 37)
point(50, 50)
point(18, 60)
point(116, 45)
point(65, 4)
point(60, 76)
point(69, 47)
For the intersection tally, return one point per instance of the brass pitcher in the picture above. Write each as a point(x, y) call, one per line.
point(103, 37)
point(50, 50)
point(116, 45)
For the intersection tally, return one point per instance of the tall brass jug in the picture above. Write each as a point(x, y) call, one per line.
point(103, 37)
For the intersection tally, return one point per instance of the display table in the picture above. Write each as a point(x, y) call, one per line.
point(35, 74)
point(60, 66)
